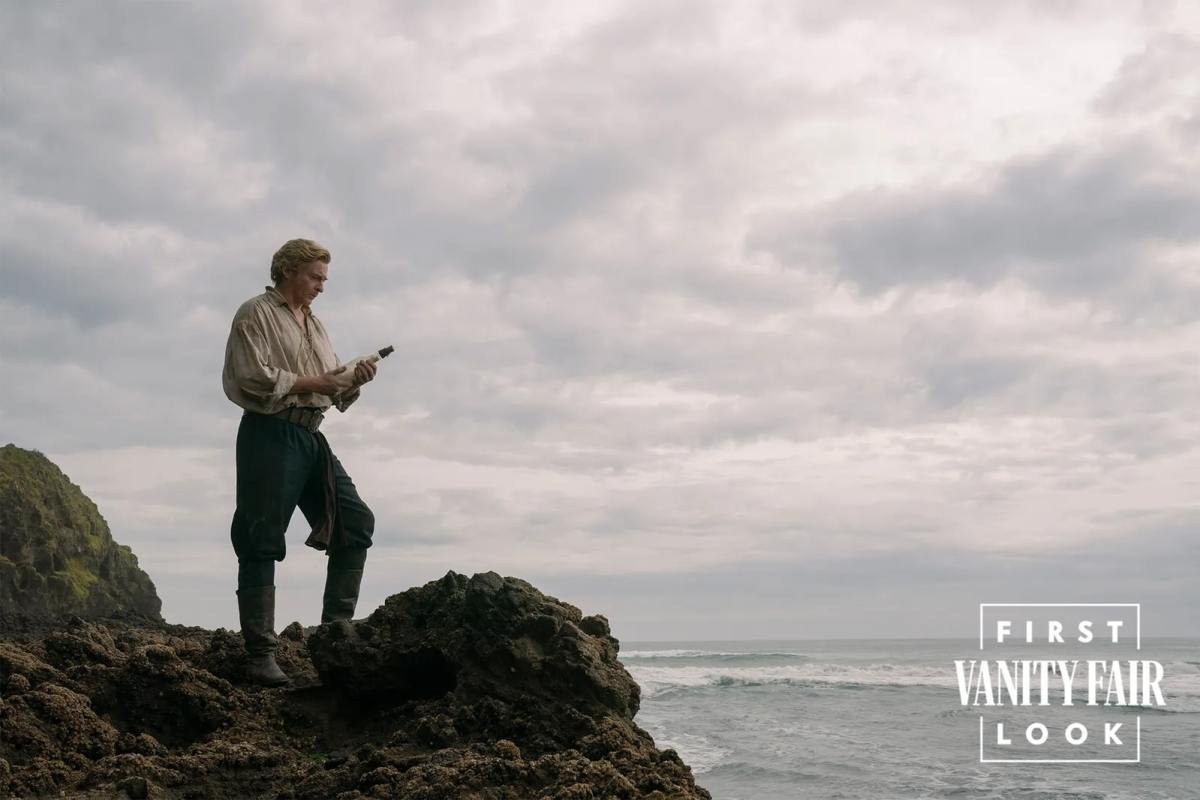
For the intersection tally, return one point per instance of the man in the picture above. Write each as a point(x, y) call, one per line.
point(281, 369)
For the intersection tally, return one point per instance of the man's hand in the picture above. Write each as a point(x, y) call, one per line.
point(363, 371)
point(336, 380)
point(325, 384)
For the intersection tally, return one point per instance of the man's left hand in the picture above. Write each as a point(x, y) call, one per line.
point(363, 371)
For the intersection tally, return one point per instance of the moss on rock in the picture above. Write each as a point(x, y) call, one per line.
point(57, 555)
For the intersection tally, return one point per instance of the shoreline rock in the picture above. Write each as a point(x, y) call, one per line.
point(479, 687)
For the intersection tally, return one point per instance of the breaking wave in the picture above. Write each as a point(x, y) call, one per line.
point(1182, 691)
point(732, 656)
point(656, 679)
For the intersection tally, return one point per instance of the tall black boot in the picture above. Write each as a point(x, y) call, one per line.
point(341, 593)
point(256, 607)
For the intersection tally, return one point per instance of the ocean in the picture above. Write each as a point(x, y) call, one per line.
point(880, 719)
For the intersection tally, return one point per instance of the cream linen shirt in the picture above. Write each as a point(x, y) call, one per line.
point(268, 349)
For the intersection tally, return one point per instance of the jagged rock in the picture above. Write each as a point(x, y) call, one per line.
point(498, 646)
point(57, 555)
point(479, 688)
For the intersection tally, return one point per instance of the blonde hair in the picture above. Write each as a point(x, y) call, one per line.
point(294, 253)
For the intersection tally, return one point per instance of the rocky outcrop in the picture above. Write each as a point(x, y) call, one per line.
point(57, 555)
point(479, 687)
point(488, 640)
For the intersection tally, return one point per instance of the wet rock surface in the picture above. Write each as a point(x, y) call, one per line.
point(479, 687)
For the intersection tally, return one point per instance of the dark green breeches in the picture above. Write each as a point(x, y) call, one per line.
point(279, 467)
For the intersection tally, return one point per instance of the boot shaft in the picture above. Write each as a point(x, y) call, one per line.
point(341, 593)
point(256, 610)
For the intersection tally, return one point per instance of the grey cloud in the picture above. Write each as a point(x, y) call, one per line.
point(542, 223)
point(1067, 222)
point(116, 117)
point(925, 593)
point(1005, 386)
point(1146, 435)
point(179, 114)
point(183, 43)
point(61, 259)
point(952, 382)
point(950, 19)
point(1151, 78)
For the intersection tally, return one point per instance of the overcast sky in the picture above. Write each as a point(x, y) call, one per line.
point(724, 320)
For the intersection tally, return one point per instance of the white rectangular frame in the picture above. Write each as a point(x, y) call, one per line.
point(1138, 719)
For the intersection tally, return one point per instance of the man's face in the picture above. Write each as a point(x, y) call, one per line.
point(308, 281)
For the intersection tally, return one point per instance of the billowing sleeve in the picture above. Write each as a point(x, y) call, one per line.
point(252, 370)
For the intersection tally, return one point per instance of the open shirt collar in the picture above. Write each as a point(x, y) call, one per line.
point(282, 301)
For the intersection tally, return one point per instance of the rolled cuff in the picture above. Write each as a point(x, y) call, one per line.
point(269, 382)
